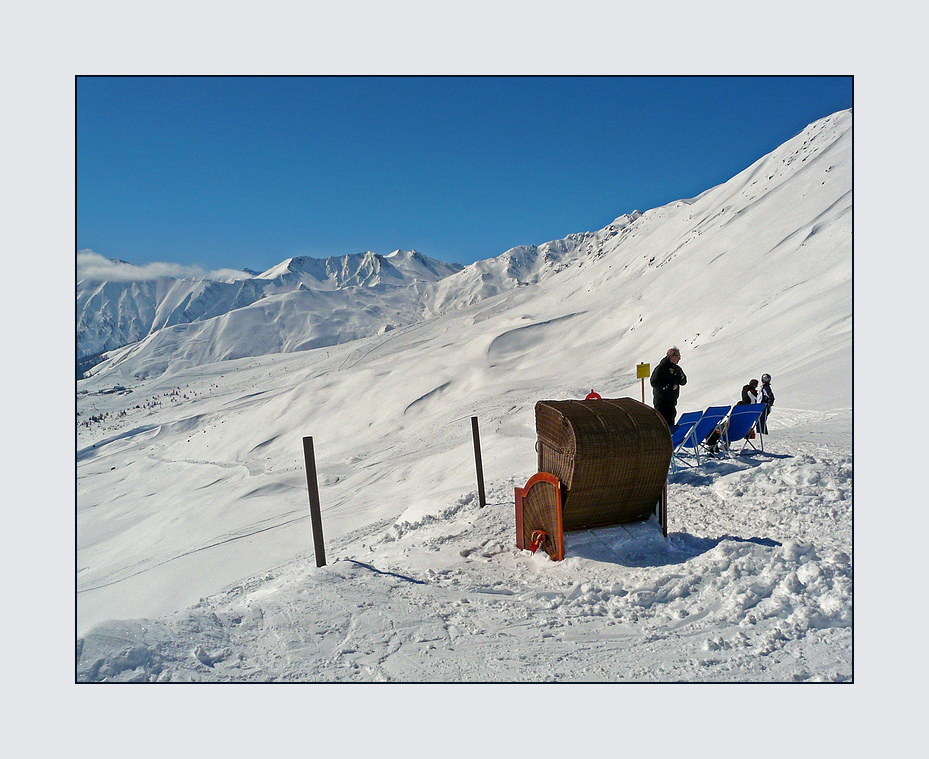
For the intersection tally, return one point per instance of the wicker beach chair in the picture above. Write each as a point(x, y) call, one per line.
point(601, 462)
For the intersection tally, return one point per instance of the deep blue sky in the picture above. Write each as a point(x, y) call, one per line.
point(245, 172)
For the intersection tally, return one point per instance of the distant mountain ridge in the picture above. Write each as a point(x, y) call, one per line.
point(112, 314)
point(357, 270)
point(524, 265)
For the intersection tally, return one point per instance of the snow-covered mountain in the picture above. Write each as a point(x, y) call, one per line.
point(400, 268)
point(115, 313)
point(305, 303)
point(111, 314)
point(517, 267)
point(194, 547)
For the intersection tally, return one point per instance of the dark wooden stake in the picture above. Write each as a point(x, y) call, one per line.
point(663, 509)
point(316, 516)
point(477, 461)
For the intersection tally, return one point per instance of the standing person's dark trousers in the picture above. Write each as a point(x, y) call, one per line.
point(767, 398)
point(669, 413)
point(666, 383)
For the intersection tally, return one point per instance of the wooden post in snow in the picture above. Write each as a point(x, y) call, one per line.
point(477, 462)
point(316, 516)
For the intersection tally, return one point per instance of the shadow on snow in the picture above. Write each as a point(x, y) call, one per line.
point(711, 469)
point(642, 545)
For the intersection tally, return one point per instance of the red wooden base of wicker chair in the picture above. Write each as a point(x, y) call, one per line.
point(538, 510)
point(540, 519)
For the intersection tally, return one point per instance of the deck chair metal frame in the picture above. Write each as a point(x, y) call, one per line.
point(702, 429)
point(742, 419)
point(682, 431)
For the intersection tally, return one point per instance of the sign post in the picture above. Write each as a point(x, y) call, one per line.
point(642, 372)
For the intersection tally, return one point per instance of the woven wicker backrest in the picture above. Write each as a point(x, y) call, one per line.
point(611, 455)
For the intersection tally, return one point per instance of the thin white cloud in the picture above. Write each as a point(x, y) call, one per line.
point(227, 275)
point(93, 266)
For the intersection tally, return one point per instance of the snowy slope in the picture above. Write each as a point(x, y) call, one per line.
point(192, 515)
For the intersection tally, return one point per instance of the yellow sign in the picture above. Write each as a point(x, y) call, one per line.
point(642, 371)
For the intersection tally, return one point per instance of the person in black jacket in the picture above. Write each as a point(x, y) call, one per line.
point(750, 393)
point(666, 383)
point(767, 398)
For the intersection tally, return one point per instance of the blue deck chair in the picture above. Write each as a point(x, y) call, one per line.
point(684, 427)
point(701, 431)
point(741, 420)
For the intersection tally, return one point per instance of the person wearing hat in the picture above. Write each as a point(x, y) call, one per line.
point(767, 398)
point(750, 393)
point(666, 383)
